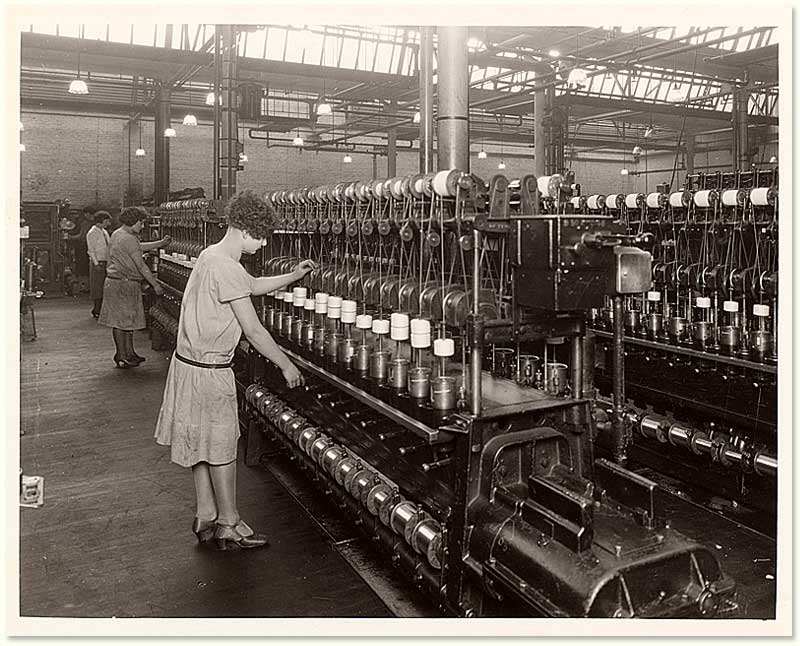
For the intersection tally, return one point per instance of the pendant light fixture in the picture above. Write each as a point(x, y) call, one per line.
point(298, 141)
point(347, 159)
point(243, 155)
point(210, 98)
point(21, 127)
point(140, 151)
point(78, 85)
point(323, 108)
point(482, 154)
point(417, 117)
point(190, 119)
point(501, 166)
point(170, 133)
point(21, 147)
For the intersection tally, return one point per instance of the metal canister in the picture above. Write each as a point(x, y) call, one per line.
point(760, 343)
point(399, 374)
point(426, 539)
point(277, 324)
point(319, 340)
point(633, 319)
point(343, 468)
point(347, 350)
point(297, 329)
point(419, 382)
point(655, 323)
point(402, 516)
point(702, 332)
point(678, 326)
point(361, 359)
point(379, 365)
point(556, 378)
point(728, 338)
point(286, 325)
point(269, 318)
point(443, 393)
point(503, 363)
point(332, 348)
point(307, 335)
point(529, 365)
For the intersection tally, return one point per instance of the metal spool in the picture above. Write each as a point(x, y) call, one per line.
point(332, 347)
point(361, 483)
point(379, 495)
point(426, 539)
point(297, 427)
point(347, 350)
point(361, 358)
point(702, 331)
point(399, 374)
point(405, 186)
point(729, 337)
point(331, 458)
point(529, 365)
point(351, 475)
point(632, 319)
point(306, 438)
point(415, 186)
point(345, 466)
point(318, 447)
point(678, 326)
point(376, 188)
point(504, 363)
point(307, 335)
point(401, 516)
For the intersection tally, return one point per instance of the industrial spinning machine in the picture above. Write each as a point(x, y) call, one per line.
point(449, 340)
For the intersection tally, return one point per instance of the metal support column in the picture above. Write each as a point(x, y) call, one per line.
point(217, 84)
point(229, 121)
point(539, 130)
point(452, 116)
point(426, 100)
point(161, 145)
point(741, 144)
point(690, 154)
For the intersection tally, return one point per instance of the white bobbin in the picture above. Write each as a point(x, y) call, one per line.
point(398, 319)
point(309, 304)
point(348, 317)
point(763, 196)
point(399, 334)
point(349, 306)
point(420, 340)
point(444, 347)
point(321, 297)
point(760, 310)
point(654, 200)
point(730, 306)
point(335, 302)
point(703, 198)
point(632, 200)
point(676, 199)
point(380, 326)
point(703, 302)
point(612, 201)
point(654, 297)
point(288, 297)
point(364, 322)
point(421, 326)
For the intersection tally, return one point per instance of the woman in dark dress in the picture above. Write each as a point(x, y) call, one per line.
point(122, 309)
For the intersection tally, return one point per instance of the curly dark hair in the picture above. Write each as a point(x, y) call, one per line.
point(132, 214)
point(248, 212)
point(100, 216)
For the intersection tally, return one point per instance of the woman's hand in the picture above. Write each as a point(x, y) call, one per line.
point(165, 241)
point(292, 376)
point(303, 268)
point(158, 289)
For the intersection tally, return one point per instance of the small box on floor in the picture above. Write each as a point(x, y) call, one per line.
point(31, 491)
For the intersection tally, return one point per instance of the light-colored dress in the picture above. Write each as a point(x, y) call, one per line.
point(199, 418)
point(122, 289)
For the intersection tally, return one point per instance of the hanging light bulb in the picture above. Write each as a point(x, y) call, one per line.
point(298, 141)
point(554, 53)
point(347, 159)
point(624, 171)
point(21, 127)
point(243, 157)
point(417, 117)
point(323, 108)
point(577, 78)
point(78, 86)
point(190, 120)
point(501, 166)
point(637, 150)
point(773, 160)
point(169, 132)
point(482, 154)
point(210, 98)
point(140, 152)
point(22, 148)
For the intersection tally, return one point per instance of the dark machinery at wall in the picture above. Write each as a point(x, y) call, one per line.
point(452, 408)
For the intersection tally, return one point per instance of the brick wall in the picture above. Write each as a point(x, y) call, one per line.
point(86, 159)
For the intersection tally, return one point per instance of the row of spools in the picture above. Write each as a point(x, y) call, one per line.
point(679, 199)
point(444, 183)
point(360, 480)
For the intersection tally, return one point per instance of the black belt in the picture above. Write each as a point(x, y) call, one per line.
point(197, 364)
point(130, 280)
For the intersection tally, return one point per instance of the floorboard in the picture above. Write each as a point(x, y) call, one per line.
point(113, 537)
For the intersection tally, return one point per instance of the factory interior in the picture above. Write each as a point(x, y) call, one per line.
point(524, 363)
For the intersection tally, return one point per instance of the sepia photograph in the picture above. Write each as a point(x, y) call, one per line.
point(471, 319)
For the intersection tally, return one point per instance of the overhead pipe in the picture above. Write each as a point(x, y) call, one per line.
point(452, 118)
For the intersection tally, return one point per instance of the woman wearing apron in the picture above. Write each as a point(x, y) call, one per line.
point(199, 417)
point(122, 307)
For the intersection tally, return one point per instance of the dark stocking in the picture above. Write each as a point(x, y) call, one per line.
point(119, 343)
point(131, 352)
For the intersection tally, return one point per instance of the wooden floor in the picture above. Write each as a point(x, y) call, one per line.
point(113, 538)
